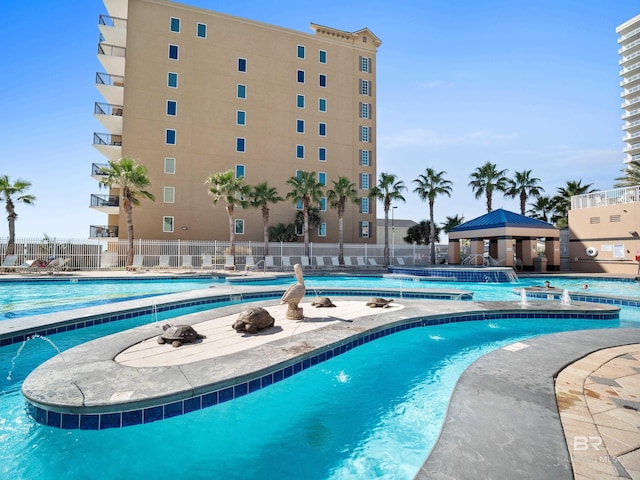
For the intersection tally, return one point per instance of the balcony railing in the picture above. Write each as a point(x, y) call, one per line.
point(111, 50)
point(109, 80)
point(116, 22)
point(628, 47)
point(107, 139)
point(97, 168)
point(107, 109)
point(105, 200)
point(103, 231)
point(606, 197)
point(630, 34)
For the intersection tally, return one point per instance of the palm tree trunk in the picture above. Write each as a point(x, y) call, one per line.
point(305, 216)
point(340, 240)
point(129, 211)
point(432, 234)
point(265, 230)
point(523, 202)
point(232, 236)
point(12, 234)
point(386, 236)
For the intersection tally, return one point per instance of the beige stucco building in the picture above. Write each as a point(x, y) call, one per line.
point(629, 51)
point(189, 92)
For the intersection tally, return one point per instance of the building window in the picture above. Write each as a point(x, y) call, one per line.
point(170, 137)
point(167, 224)
point(241, 117)
point(322, 56)
point(364, 229)
point(322, 154)
point(364, 181)
point(170, 165)
point(322, 104)
point(364, 134)
point(173, 52)
point(322, 229)
point(365, 87)
point(201, 30)
point(322, 79)
point(242, 64)
point(172, 80)
point(322, 206)
point(240, 144)
point(300, 51)
point(299, 205)
point(242, 91)
point(322, 129)
point(239, 171)
point(300, 101)
point(174, 25)
point(364, 64)
point(299, 151)
point(364, 110)
point(172, 108)
point(364, 204)
point(300, 76)
point(300, 126)
point(322, 178)
point(239, 226)
point(169, 194)
point(364, 158)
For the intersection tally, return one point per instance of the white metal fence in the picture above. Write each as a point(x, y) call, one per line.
point(112, 254)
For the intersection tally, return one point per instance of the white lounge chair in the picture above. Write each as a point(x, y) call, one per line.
point(268, 260)
point(335, 261)
point(9, 262)
point(207, 262)
point(361, 262)
point(400, 261)
point(138, 261)
point(163, 263)
point(320, 262)
point(108, 259)
point(347, 262)
point(286, 262)
point(304, 261)
point(57, 264)
point(187, 261)
point(372, 262)
point(249, 262)
point(229, 262)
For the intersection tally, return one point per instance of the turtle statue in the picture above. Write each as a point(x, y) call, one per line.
point(376, 302)
point(322, 302)
point(252, 320)
point(176, 335)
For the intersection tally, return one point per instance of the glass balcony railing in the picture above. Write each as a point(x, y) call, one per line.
point(103, 231)
point(107, 139)
point(97, 168)
point(107, 109)
point(105, 200)
point(115, 22)
point(111, 50)
point(109, 80)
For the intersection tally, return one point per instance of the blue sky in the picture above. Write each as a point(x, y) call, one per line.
point(525, 85)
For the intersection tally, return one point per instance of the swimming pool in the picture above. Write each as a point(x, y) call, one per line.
point(373, 412)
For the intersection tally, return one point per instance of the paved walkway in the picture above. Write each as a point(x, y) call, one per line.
point(599, 402)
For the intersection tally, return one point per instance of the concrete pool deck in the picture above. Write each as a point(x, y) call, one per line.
point(503, 419)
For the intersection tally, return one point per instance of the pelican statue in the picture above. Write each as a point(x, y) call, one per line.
point(294, 294)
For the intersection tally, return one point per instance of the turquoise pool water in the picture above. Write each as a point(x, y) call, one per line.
point(374, 412)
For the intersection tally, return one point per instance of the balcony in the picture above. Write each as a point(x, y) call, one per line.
point(630, 48)
point(626, 36)
point(110, 116)
point(631, 136)
point(96, 170)
point(103, 231)
point(630, 127)
point(113, 29)
point(628, 58)
point(111, 87)
point(109, 145)
point(630, 92)
point(112, 58)
point(109, 204)
point(606, 197)
point(632, 149)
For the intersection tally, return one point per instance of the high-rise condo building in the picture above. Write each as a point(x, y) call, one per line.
point(629, 42)
point(189, 92)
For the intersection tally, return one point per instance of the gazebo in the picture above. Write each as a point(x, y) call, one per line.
point(505, 231)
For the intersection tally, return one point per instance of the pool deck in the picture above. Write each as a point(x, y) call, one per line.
point(558, 406)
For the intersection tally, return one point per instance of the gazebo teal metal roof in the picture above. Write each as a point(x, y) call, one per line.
point(501, 219)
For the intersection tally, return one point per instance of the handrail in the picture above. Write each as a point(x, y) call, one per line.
point(252, 267)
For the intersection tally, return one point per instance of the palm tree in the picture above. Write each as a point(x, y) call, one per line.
point(260, 197)
point(226, 187)
point(314, 219)
point(282, 233)
point(306, 189)
point(389, 188)
point(11, 194)
point(452, 222)
point(542, 208)
point(343, 190)
point(487, 179)
point(429, 186)
point(524, 186)
point(631, 177)
point(132, 180)
point(562, 200)
point(421, 233)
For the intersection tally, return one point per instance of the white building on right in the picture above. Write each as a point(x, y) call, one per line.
point(629, 51)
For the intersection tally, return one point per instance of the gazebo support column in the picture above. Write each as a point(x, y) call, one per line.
point(476, 251)
point(552, 252)
point(505, 251)
point(529, 251)
point(454, 251)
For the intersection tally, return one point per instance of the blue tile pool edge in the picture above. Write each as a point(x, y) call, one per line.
point(275, 374)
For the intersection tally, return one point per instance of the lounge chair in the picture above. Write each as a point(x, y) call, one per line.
point(268, 261)
point(320, 262)
point(108, 259)
point(138, 260)
point(163, 263)
point(304, 261)
point(347, 262)
point(400, 261)
point(335, 261)
point(207, 262)
point(286, 262)
point(56, 265)
point(372, 262)
point(187, 261)
point(249, 263)
point(361, 262)
point(29, 266)
point(229, 262)
point(9, 262)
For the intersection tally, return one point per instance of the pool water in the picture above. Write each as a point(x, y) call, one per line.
point(373, 412)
